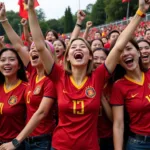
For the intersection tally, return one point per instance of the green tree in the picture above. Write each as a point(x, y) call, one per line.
point(116, 10)
point(40, 14)
point(68, 21)
point(98, 15)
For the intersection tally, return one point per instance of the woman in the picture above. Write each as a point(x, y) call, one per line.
point(131, 92)
point(105, 113)
point(40, 95)
point(59, 47)
point(144, 46)
point(51, 36)
point(78, 88)
point(97, 43)
point(12, 89)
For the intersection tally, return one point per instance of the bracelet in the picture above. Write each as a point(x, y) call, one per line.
point(79, 25)
point(1, 21)
point(140, 13)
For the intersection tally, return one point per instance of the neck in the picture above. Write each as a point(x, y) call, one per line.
point(135, 75)
point(11, 81)
point(78, 74)
point(146, 65)
point(40, 72)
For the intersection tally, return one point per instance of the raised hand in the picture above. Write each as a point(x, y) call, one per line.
point(2, 11)
point(144, 5)
point(80, 16)
point(89, 24)
point(23, 21)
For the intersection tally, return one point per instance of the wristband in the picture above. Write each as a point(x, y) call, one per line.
point(140, 13)
point(1, 21)
point(79, 25)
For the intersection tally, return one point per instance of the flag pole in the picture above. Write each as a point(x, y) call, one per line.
point(128, 7)
point(79, 4)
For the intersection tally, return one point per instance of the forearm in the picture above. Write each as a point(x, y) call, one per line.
point(37, 34)
point(85, 35)
point(26, 32)
point(76, 30)
point(13, 37)
point(107, 109)
point(118, 137)
point(127, 33)
point(32, 124)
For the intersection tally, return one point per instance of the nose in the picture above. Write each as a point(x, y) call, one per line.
point(6, 62)
point(124, 53)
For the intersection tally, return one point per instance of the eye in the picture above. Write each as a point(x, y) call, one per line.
point(2, 60)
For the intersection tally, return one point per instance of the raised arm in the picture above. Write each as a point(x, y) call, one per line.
point(13, 37)
point(86, 32)
point(26, 33)
point(125, 36)
point(38, 38)
point(80, 17)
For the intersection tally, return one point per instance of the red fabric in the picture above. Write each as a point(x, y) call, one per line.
point(105, 129)
point(78, 110)
point(124, 1)
point(34, 93)
point(12, 111)
point(136, 99)
point(23, 12)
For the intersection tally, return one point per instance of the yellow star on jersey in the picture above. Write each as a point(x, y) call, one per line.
point(25, 6)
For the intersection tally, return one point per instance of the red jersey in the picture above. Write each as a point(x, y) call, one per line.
point(12, 111)
point(36, 90)
point(107, 45)
point(104, 124)
point(135, 97)
point(61, 61)
point(78, 108)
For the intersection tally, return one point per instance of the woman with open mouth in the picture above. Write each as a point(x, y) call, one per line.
point(144, 47)
point(40, 95)
point(78, 87)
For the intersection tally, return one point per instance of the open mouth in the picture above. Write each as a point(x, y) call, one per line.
point(78, 56)
point(7, 68)
point(145, 56)
point(57, 51)
point(34, 57)
point(129, 61)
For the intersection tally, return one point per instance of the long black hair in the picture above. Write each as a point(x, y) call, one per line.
point(20, 73)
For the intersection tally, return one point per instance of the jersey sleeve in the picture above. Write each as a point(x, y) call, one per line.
point(30, 70)
point(55, 73)
point(102, 75)
point(49, 89)
point(117, 97)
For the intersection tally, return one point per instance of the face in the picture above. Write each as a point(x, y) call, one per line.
point(145, 52)
point(104, 40)
point(50, 37)
point(113, 37)
point(79, 54)
point(59, 48)
point(9, 64)
point(96, 44)
point(147, 35)
point(99, 58)
point(97, 36)
point(129, 58)
point(67, 42)
point(34, 56)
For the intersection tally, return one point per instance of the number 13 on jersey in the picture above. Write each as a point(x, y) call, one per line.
point(78, 107)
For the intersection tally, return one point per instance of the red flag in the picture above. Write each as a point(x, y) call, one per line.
point(23, 7)
point(124, 1)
